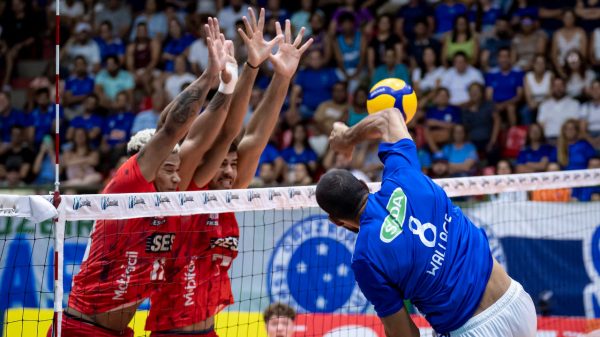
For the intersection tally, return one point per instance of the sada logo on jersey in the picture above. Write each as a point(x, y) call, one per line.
point(313, 257)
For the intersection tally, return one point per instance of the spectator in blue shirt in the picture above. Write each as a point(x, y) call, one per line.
point(536, 154)
point(113, 80)
point(316, 82)
point(9, 117)
point(79, 86)
point(177, 42)
point(591, 193)
point(413, 12)
point(484, 14)
point(500, 37)
point(117, 128)
point(461, 154)
point(505, 86)
point(391, 68)
point(155, 20)
point(574, 152)
point(148, 119)
point(445, 13)
point(350, 49)
point(90, 121)
point(41, 120)
point(108, 44)
point(440, 119)
point(300, 151)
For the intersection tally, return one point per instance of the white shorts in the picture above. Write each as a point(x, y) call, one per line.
point(513, 315)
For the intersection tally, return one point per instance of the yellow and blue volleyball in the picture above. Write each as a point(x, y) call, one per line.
point(393, 93)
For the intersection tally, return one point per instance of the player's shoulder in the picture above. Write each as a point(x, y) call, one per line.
point(129, 179)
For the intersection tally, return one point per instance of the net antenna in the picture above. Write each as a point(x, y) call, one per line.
point(59, 225)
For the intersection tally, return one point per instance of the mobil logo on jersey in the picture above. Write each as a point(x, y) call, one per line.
point(310, 268)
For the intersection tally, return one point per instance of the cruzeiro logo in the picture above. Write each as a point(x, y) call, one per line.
point(160, 199)
point(79, 203)
point(183, 198)
point(106, 202)
point(314, 257)
point(392, 224)
point(133, 201)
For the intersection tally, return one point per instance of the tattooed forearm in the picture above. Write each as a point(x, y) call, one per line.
point(219, 102)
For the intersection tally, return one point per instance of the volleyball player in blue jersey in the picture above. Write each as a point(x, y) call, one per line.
point(413, 243)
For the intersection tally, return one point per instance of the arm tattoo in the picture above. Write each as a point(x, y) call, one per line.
point(186, 104)
point(218, 101)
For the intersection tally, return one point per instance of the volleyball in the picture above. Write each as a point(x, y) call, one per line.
point(393, 93)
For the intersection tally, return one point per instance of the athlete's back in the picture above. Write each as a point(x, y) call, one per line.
point(419, 246)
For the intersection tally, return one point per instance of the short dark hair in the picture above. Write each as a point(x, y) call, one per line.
point(340, 194)
point(347, 17)
point(279, 310)
point(460, 54)
point(108, 23)
point(233, 147)
point(113, 57)
point(41, 91)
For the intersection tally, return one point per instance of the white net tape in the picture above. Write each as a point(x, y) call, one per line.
point(127, 206)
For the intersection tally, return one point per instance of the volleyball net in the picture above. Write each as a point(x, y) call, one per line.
point(286, 251)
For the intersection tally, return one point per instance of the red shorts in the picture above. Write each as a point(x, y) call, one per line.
point(73, 327)
point(210, 333)
point(200, 287)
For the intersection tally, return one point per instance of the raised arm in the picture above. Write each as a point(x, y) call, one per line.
point(264, 119)
point(258, 51)
point(180, 113)
point(387, 125)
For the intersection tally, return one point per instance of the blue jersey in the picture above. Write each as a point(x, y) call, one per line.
point(415, 244)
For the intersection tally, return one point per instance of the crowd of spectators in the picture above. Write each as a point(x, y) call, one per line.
point(504, 85)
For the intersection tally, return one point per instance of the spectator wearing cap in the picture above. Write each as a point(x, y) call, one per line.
point(440, 119)
point(459, 77)
point(410, 15)
point(588, 12)
point(440, 167)
point(113, 80)
point(301, 17)
point(19, 32)
point(422, 40)
point(79, 85)
point(498, 38)
point(9, 117)
point(391, 68)
point(527, 43)
point(229, 15)
point(462, 154)
point(536, 154)
point(90, 120)
point(567, 38)
point(42, 119)
point(316, 82)
point(505, 86)
point(350, 49)
point(590, 115)
point(384, 39)
point(579, 77)
point(445, 15)
point(108, 43)
point(18, 157)
point(557, 109)
point(155, 20)
point(461, 40)
point(176, 44)
point(483, 122)
point(118, 14)
point(82, 44)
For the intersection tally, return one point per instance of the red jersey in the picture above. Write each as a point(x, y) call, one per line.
point(125, 259)
point(201, 286)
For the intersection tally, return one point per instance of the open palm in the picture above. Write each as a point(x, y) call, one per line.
point(258, 48)
point(285, 61)
point(217, 50)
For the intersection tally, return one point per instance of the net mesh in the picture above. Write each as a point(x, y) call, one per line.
point(287, 252)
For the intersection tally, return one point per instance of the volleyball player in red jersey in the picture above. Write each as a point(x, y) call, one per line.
point(122, 263)
point(201, 287)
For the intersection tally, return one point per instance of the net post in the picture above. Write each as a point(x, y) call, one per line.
point(59, 221)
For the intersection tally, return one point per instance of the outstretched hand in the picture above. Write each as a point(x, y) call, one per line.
point(220, 51)
point(285, 61)
point(258, 48)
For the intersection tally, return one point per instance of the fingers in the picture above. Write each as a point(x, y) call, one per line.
point(229, 48)
point(252, 18)
point(245, 37)
point(277, 39)
point(207, 31)
point(248, 26)
point(299, 37)
point(278, 28)
point(288, 31)
point(306, 45)
point(261, 19)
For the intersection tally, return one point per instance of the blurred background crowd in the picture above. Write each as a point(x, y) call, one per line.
point(504, 86)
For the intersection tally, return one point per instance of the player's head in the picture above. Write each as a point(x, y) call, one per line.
point(343, 197)
point(227, 172)
point(167, 177)
point(279, 319)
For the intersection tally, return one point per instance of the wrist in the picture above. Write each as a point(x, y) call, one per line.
point(227, 88)
point(251, 64)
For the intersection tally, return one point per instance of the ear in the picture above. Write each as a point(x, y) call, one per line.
point(336, 221)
